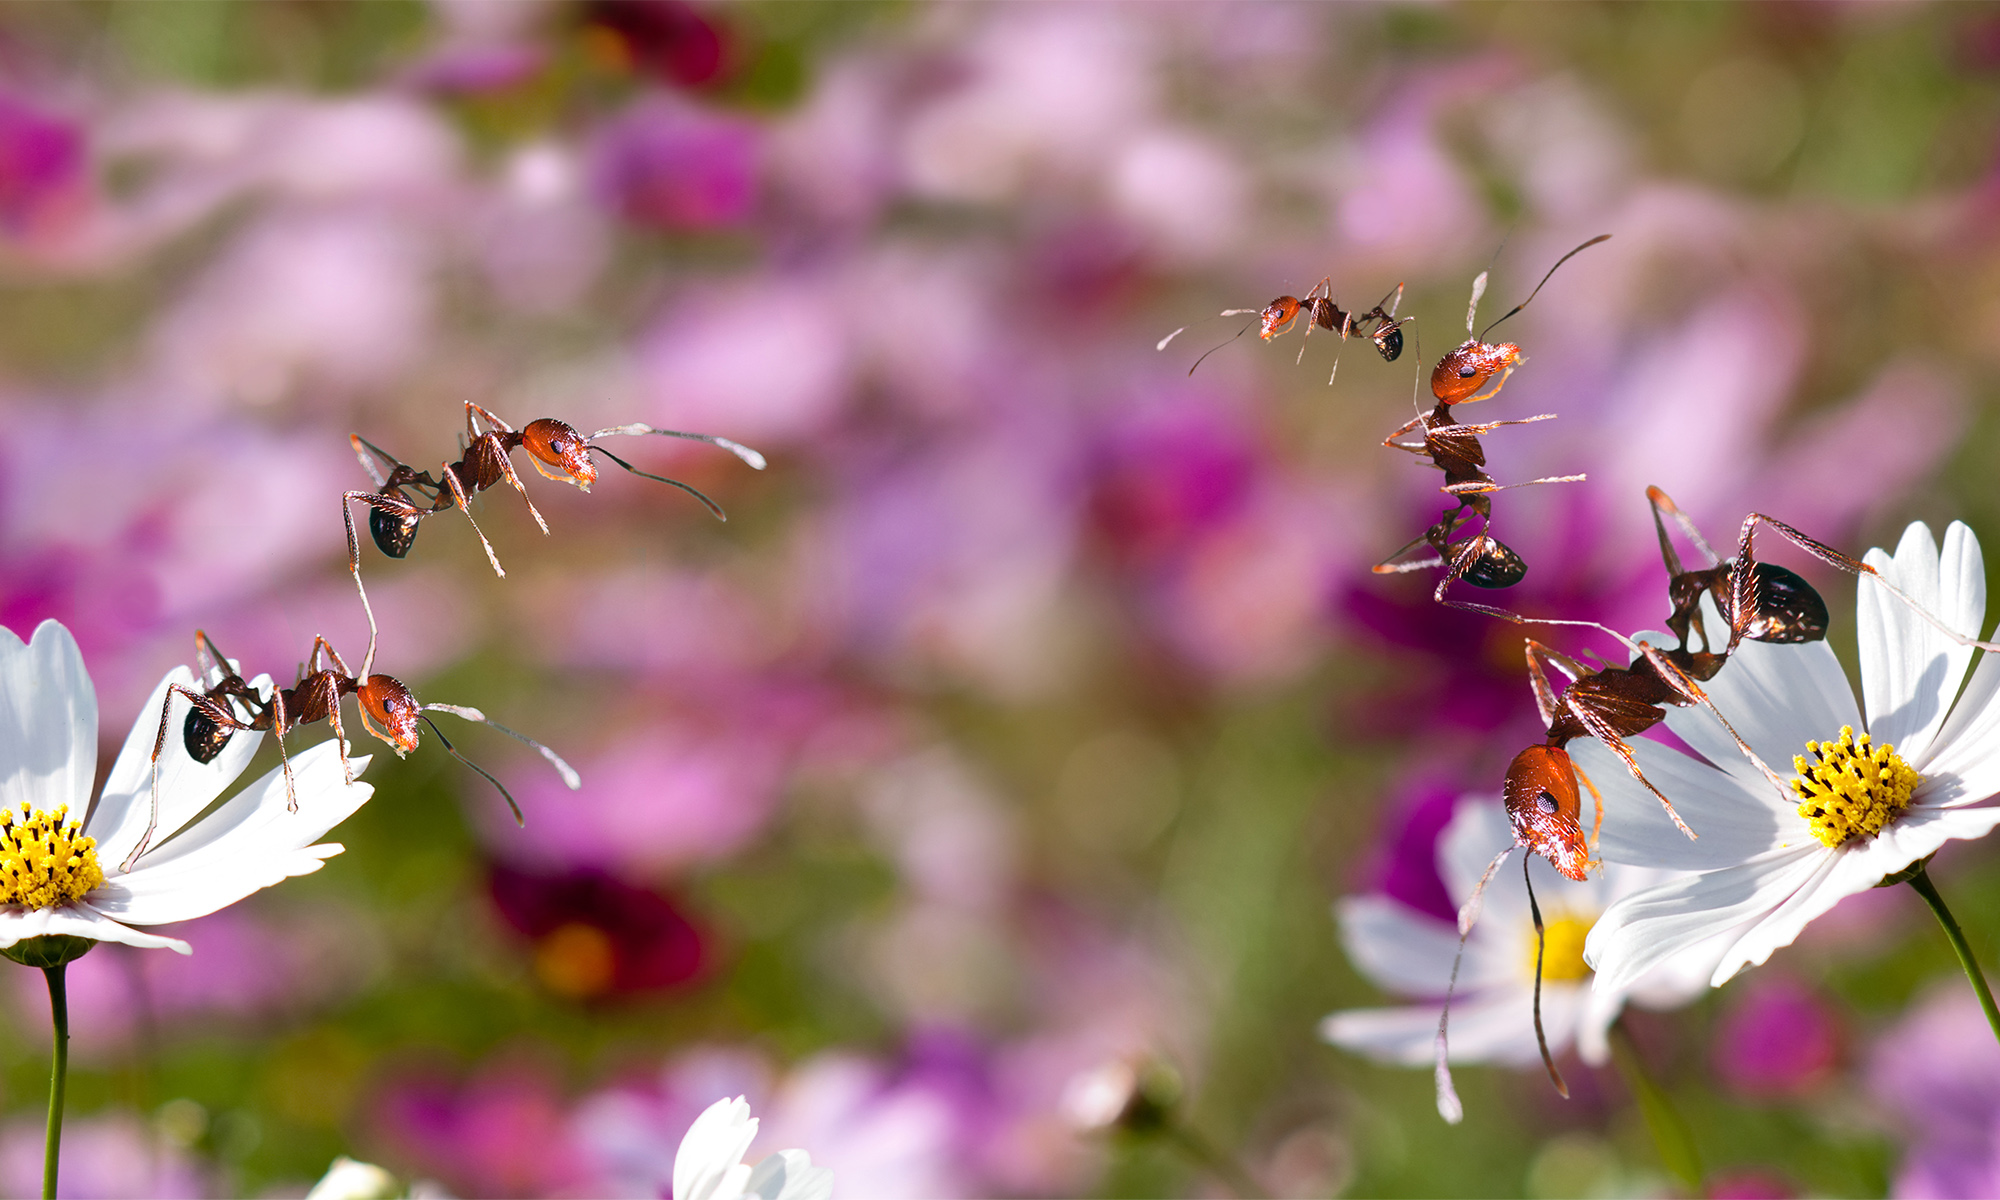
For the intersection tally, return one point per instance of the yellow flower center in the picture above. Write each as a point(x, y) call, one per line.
point(44, 858)
point(1851, 789)
point(1562, 950)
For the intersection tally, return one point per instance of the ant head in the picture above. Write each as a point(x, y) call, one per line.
point(1496, 566)
point(389, 711)
point(394, 533)
point(204, 736)
point(556, 444)
point(1278, 314)
point(1389, 343)
point(1543, 806)
point(1788, 612)
point(1467, 369)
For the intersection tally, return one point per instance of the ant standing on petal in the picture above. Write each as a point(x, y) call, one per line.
point(1482, 560)
point(388, 710)
point(557, 450)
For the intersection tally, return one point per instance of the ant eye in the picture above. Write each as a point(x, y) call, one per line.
point(1546, 802)
point(1467, 372)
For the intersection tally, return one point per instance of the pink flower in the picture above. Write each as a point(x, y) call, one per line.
point(1778, 1039)
point(678, 168)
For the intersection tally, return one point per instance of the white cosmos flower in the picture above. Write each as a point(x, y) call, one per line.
point(710, 1166)
point(1492, 1017)
point(48, 756)
point(1762, 870)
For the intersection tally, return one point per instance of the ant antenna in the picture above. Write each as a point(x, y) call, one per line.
point(714, 509)
point(1449, 1105)
point(1541, 945)
point(453, 751)
point(1602, 237)
point(737, 448)
point(466, 713)
point(1213, 349)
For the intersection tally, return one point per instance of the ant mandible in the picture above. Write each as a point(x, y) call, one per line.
point(388, 710)
point(556, 449)
point(1454, 448)
point(1378, 325)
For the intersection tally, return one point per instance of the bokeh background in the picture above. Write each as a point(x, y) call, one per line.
point(1033, 708)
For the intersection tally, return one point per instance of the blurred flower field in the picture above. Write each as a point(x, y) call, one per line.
point(1032, 712)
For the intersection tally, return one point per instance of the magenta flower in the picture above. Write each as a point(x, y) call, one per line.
point(44, 169)
point(678, 168)
point(1938, 1073)
point(1777, 1040)
point(595, 935)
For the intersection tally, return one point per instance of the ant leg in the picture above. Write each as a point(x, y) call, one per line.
point(1490, 426)
point(507, 473)
point(321, 647)
point(1477, 488)
point(1389, 565)
point(331, 689)
point(363, 448)
point(1663, 504)
point(388, 504)
point(1692, 692)
point(215, 712)
point(1391, 443)
point(1539, 657)
point(491, 420)
point(280, 725)
point(1491, 392)
point(1597, 801)
point(464, 503)
point(1614, 741)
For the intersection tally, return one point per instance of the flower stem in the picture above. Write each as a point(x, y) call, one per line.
point(1671, 1136)
point(58, 1076)
point(1921, 880)
point(1208, 1157)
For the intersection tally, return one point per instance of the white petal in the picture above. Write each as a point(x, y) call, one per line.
point(1778, 698)
point(1962, 765)
point(1645, 929)
point(250, 842)
point(1397, 949)
point(1600, 1009)
point(1839, 875)
point(789, 1175)
point(186, 786)
point(48, 721)
point(714, 1146)
point(1733, 818)
point(1910, 669)
point(1478, 831)
point(77, 920)
point(259, 816)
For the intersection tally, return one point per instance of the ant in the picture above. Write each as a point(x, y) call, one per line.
point(404, 496)
point(1378, 325)
point(1454, 448)
point(1758, 601)
point(388, 710)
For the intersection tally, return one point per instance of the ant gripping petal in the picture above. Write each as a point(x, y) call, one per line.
point(1545, 809)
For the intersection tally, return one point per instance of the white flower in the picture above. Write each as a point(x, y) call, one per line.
point(352, 1179)
point(709, 1165)
point(1492, 1020)
point(48, 754)
point(1763, 869)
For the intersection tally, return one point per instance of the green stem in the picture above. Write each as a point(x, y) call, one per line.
point(1671, 1136)
point(58, 1076)
point(1921, 880)
point(1211, 1159)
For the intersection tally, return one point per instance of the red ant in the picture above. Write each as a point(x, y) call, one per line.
point(555, 449)
point(1378, 325)
point(388, 710)
point(1482, 560)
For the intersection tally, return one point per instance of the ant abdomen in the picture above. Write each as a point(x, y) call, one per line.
point(1497, 566)
point(394, 533)
point(204, 736)
point(1789, 610)
point(1390, 345)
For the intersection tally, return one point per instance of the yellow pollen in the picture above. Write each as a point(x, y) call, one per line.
point(44, 858)
point(1853, 789)
point(1562, 950)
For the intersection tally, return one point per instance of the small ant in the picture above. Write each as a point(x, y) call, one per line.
point(1454, 448)
point(388, 710)
point(404, 496)
point(1378, 325)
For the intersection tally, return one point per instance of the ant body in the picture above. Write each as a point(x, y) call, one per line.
point(388, 710)
point(1378, 325)
point(404, 496)
point(1454, 448)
